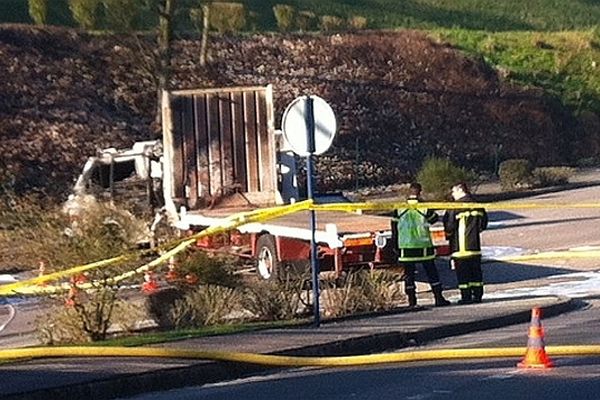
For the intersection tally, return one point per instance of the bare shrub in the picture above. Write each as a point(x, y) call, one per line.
point(94, 314)
point(87, 319)
point(341, 300)
point(45, 233)
point(33, 231)
point(205, 305)
point(515, 174)
point(60, 325)
point(227, 17)
point(285, 15)
point(330, 23)
point(85, 12)
point(549, 176)
point(159, 306)
point(306, 21)
point(38, 11)
point(217, 269)
point(127, 316)
point(275, 300)
point(120, 14)
point(363, 291)
point(382, 290)
point(357, 22)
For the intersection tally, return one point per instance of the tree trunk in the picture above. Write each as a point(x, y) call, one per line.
point(204, 43)
point(165, 36)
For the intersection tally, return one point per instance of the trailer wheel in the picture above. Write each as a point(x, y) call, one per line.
point(268, 264)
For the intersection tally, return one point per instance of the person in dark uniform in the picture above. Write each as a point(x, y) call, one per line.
point(463, 229)
point(410, 233)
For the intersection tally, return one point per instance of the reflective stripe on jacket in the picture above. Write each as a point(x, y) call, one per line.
point(463, 228)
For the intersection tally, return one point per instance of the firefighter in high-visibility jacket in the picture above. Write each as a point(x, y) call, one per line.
point(410, 232)
point(463, 229)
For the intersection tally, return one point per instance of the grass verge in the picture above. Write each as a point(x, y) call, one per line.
point(143, 339)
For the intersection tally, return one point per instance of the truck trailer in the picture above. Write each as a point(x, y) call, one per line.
point(220, 154)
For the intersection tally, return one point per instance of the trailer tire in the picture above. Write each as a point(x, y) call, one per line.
point(268, 265)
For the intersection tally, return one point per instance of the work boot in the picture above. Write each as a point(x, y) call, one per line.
point(411, 295)
point(440, 301)
point(477, 294)
point(465, 296)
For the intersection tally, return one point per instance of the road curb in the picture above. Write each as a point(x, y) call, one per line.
point(205, 372)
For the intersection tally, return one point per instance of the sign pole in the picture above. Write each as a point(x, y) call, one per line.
point(309, 126)
point(314, 264)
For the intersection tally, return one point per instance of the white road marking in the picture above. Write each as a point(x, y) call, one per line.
point(11, 316)
point(575, 285)
point(5, 278)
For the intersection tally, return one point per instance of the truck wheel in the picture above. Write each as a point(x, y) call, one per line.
point(268, 265)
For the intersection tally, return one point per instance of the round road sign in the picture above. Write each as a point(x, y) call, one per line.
point(295, 127)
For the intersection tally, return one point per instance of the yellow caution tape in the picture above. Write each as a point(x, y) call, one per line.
point(12, 287)
point(388, 206)
point(32, 286)
point(291, 361)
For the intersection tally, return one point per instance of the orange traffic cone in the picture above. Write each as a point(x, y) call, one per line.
point(172, 274)
point(71, 297)
point(192, 279)
point(536, 356)
point(150, 284)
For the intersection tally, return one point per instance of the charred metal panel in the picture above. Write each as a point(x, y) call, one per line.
point(215, 156)
point(239, 141)
point(225, 106)
point(250, 120)
point(265, 145)
point(189, 152)
point(177, 153)
point(200, 128)
point(222, 142)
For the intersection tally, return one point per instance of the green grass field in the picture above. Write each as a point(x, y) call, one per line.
point(566, 64)
point(488, 15)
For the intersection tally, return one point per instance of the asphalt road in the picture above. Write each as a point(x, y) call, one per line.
point(549, 228)
point(464, 380)
point(498, 379)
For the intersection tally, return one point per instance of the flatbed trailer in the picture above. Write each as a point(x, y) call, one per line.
point(344, 240)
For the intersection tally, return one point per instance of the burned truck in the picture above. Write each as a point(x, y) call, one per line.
point(220, 154)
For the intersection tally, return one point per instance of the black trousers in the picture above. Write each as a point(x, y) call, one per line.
point(468, 272)
point(430, 270)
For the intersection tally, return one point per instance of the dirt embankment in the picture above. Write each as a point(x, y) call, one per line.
point(398, 97)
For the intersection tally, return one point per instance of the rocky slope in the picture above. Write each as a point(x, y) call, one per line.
point(398, 97)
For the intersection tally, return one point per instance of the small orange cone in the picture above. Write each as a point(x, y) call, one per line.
point(72, 296)
point(172, 274)
point(536, 356)
point(150, 284)
point(191, 279)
